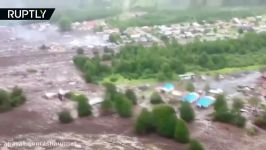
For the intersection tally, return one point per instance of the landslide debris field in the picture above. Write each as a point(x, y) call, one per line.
point(37, 71)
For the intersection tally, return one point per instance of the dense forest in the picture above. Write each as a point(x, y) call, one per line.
point(163, 63)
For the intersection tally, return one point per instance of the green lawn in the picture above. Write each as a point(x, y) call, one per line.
point(233, 70)
point(123, 81)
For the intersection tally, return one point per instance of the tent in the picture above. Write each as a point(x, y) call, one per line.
point(205, 101)
point(191, 97)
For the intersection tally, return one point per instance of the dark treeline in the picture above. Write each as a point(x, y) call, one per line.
point(244, 2)
point(135, 62)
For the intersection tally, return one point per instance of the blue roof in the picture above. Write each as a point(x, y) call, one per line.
point(205, 101)
point(169, 86)
point(191, 97)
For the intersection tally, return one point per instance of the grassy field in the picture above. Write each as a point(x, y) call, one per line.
point(120, 80)
point(234, 70)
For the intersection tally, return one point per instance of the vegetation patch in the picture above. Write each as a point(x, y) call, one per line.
point(224, 114)
point(136, 62)
point(65, 117)
point(9, 100)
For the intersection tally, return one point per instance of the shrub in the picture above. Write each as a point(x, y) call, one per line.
point(113, 79)
point(110, 89)
point(220, 103)
point(88, 77)
point(230, 117)
point(80, 51)
point(114, 38)
point(70, 95)
point(131, 96)
point(239, 121)
point(223, 116)
point(80, 61)
point(4, 101)
point(156, 98)
point(238, 104)
point(252, 131)
point(16, 92)
point(144, 122)
point(65, 24)
point(195, 145)
point(123, 106)
point(4, 97)
point(84, 108)
point(106, 107)
point(65, 117)
point(186, 112)
point(181, 133)
point(106, 57)
point(17, 97)
point(164, 117)
point(18, 100)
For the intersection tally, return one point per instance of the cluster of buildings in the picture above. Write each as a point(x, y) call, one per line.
point(184, 32)
point(200, 99)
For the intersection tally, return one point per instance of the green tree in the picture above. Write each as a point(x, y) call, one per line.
point(181, 132)
point(167, 71)
point(106, 107)
point(84, 108)
point(4, 101)
point(17, 97)
point(195, 145)
point(110, 91)
point(114, 38)
point(220, 103)
point(186, 112)
point(123, 106)
point(65, 24)
point(65, 117)
point(239, 120)
point(88, 77)
point(204, 60)
point(164, 117)
point(130, 94)
point(156, 98)
point(144, 122)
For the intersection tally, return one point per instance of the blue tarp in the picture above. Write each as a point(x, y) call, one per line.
point(169, 86)
point(191, 97)
point(205, 101)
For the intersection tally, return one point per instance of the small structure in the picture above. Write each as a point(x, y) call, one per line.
point(216, 91)
point(205, 101)
point(187, 76)
point(168, 87)
point(191, 97)
point(96, 100)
